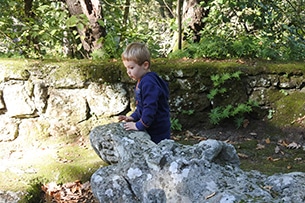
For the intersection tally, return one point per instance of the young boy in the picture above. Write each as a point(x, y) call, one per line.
point(151, 94)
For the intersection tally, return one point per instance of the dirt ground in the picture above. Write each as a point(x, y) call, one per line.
point(259, 145)
point(253, 129)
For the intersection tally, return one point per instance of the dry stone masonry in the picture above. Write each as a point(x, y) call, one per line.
point(39, 98)
point(39, 105)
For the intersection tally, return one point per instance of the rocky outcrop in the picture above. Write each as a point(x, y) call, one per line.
point(141, 171)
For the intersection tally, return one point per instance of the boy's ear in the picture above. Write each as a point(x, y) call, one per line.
point(146, 65)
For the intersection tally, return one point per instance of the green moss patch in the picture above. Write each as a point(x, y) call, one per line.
point(50, 161)
point(270, 158)
point(288, 109)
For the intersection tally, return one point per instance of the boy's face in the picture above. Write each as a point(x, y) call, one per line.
point(136, 71)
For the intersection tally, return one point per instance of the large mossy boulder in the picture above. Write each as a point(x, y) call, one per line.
point(142, 171)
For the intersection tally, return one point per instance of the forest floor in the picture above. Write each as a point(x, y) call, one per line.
point(260, 146)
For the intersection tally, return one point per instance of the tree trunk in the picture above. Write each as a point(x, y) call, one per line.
point(193, 13)
point(126, 12)
point(28, 8)
point(91, 33)
point(31, 41)
point(179, 19)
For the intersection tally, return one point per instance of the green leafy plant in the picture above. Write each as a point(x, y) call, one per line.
point(41, 35)
point(236, 111)
point(175, 124)
point(220, 113)
point(34, 193)
point(219, 80)
point(188, 112)
point(272, 30)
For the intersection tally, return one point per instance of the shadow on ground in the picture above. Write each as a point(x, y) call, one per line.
point(260, 145)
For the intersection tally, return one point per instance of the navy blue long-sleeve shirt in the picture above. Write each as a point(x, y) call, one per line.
point(152, 108)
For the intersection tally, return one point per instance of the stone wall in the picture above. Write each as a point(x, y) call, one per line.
point(47, 98)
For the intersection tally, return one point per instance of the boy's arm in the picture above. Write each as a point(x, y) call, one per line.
point(135, 116)
point(150, 97)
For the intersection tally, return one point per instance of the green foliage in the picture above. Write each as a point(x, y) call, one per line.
point(219, 80)
point(34, 192)
point(110, 49)
point(179, 54)
point(188, 112)
point(220, 113)
point(235, 111)
point(42, 34)
point(144, 24)
point(175, 124)
point(272, 30)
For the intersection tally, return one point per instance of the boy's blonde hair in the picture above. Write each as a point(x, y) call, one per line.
point(137, 52)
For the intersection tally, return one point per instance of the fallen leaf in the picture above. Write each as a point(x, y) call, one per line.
point(282, 143)
point(277, 149)
point(188, 133)
point(200, 138)
point(267, 141)
point(176, 138)
point(73, 192)
point(260, 146)
point(272, 159)
point(241, 155)
point(298, 120)
point(246, 123)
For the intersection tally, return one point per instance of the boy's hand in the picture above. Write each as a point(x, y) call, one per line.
point(130, 126)
point(125, 118)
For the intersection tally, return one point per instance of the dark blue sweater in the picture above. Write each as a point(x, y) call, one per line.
point(152, 108)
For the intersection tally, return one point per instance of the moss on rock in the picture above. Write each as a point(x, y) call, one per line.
point(288, 108)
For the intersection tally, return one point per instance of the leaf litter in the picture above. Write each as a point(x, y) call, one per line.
point(72, 192)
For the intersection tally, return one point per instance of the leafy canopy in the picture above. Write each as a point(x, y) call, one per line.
point(264, 29)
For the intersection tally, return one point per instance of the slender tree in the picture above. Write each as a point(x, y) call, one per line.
point(194, 12)
point(29, 14)
point(91, 34)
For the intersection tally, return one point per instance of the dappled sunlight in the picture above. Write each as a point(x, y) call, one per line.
point(20, 162)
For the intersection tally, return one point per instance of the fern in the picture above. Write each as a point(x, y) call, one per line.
point(212, 94)
point(236, 74)
point(237, 111)
point(226, 113)
point(215, 115)
point(239, 121)
point(175, 124)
